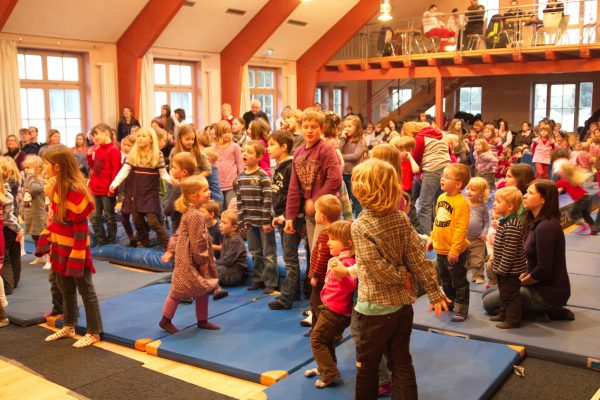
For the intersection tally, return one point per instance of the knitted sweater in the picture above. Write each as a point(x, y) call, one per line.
point(509, 256)
point(105, 163)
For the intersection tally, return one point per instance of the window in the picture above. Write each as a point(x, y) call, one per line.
point(263, 87)
point(491, 8)
point(319, 96)
point(52, 93)
point(470, 100)
point(399, 96)
point(431, 110)
point(338, 101)
point(174, 85)
point(569, 103)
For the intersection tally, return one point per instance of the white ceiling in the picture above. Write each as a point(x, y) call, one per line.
point(97, 20)
point(289, 42)
point(206, 27)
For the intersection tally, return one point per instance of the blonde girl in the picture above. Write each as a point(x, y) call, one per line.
point(259, 130)
point(542, 148)
point(13, 233)
point(491, 137)
point(187, 141)
point(486, 162)
point(195, 273)
point(353, 148)
point(146, 163)
point(477, 193)
point(571, 182)
point(127, 210)
point(34, 201)
point(229, 162)
point(67, 240)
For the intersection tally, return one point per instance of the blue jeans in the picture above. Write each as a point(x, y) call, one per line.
point(356, 207)
point(427, 198)
point(264, 256)
point(291, 285)
point(530, 299)
point(106, 205)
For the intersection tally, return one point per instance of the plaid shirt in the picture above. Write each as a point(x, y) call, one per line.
point(387, 249)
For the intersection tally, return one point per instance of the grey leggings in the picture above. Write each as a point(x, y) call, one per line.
point(69, 286)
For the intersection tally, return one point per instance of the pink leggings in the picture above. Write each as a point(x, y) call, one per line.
point(201, 307)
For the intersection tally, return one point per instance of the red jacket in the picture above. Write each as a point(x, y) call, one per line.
point(105, 163)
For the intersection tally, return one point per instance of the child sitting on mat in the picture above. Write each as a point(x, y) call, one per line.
point(231, 266)
point(334, 314)
point(195, 274)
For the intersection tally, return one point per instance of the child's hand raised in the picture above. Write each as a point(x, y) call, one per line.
point(440, 306)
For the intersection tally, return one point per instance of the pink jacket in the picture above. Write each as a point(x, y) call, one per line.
point(337, 294)
point(542, 150)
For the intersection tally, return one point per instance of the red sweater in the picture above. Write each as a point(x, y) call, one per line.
point(319, 257)
point(105, 163)
point(407, 175)
point(576, 192)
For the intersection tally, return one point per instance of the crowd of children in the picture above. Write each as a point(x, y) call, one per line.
point(408, 191)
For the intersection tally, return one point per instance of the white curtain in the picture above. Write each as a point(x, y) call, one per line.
point(146, 106)
point(291, 86)
point(108, 93)
point(245, 95)
point(10, 99)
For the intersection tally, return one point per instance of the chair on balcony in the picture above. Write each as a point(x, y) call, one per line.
point(475, 39)
point(591, 33)
point(427, 44)
point(554, 29)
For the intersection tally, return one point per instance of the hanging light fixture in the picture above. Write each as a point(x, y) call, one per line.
point(385, 10)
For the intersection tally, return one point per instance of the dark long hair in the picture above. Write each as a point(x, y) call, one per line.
point(523, 174)
point(549, 192)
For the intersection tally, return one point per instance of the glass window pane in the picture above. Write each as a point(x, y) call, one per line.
point(57, 103)
point(251, 78)
point(174, 77)
point(269, 79)
point(55, 68)
point(590, 12)
point(33, 67)
point(584, 114)
point(586, 90)
point(182, 100)
point(71, 69)
point(24, 108)
point(568, 120)
point(465, 95)
point(21, 62)
point(72, 104)
point(540, 97)
point(261, 79)
point(160, 74)
point(569, 96)
point(539, 114)
point(72, 129)
point(35, 103)
point(556, 94)
point(59, 124)
point(476, 95)
point(160, 98)
point(186, 75)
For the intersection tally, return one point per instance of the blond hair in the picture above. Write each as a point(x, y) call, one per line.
point(221, 128)
point(189, 187)
point(35, 162)
point(462, 172)
point(573, 174)
point(312, 114)
point(411, 128)
point(211, 153)
point(231, 216)
point(376, 185)
point(390, 154)
point(186, 162)
point(491, 128)
point(258, 147)
point(512, 196)
point(407, 143)
point(483, 143)
point(481, 185)
point(341, 230)
point(10, 169)
point(358, 134)
point(196, 149)
point(145, 158)
point(330, 206)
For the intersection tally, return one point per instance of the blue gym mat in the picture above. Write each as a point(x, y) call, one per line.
point(131, 319)
point(485, 366)
point(566, 342)
point(583, 243)
point(29, 302)
point(254, 343)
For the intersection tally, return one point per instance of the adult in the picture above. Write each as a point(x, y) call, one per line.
point(34, 136)
point(178, 118)
point(475, 18)
point(504, 133)
point(318, 106)
point(227, 113)
point(545, 287)
point(254, 113)
point(80, 152)
point(280, 123)
point(125, 123)
point(14, 150)
point(524, 138)
point(350, 111)
point(554, 7)
point(433, 27)
point(53, 138)
point(456, 22)
point(165, 117)
point(27, 146)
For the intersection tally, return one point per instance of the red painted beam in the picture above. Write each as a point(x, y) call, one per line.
point(246, 43)
point(136, 41)
point(6, 8)
point(308, 65)
point(439, 101)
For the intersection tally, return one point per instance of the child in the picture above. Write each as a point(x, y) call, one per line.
point(520, 176)
point(491, 137)
point(335, 312)
point(146, 163)
point(315, 172)
point(12, 233)
point(34, 202)
point(187, 141)
point(585, 160)
point(486, 162)
point(353, 148)
point(195, 274)
point(542, 151)
point(449, 238)
point(259, 131)
point(509, 257)
point(328, 210)
point(280, 144)
point(238, 130)
point(254, 199)
point(517, 155)
point(387, 248)
point(104, 160)
point(478, 193)
point(229, 161)
point(409, 168)
point(571, 181)
point(127, 188)
point(231, 266)
point(503, 163)
point(210, 211)
point(294, 122)
point(213, 178)
point(67, 240)
point(183, 165)
point(575, 153)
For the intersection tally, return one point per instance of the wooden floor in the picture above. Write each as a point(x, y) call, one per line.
point(15, 379)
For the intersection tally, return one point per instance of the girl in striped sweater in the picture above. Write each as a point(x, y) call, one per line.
point(66, 238)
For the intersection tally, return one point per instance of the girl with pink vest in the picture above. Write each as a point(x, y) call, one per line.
point(542, 148)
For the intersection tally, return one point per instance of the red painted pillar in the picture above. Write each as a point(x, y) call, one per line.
point(439, 101)
point(369, 100)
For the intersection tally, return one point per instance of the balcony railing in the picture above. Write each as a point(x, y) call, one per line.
point(524, 27)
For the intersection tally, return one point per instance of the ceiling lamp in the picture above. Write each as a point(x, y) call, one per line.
point(385, 9)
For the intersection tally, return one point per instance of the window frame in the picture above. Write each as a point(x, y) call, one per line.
point(342, 104)
point(391, 103)
point(576, 109)
point(46, 85)
point(255, 90)
point(190, 116)
point(470, 102)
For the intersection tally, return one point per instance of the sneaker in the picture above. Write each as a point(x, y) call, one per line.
point(385, 390)
point(561, 314)
point(275, 305)
point(269, 290)
point(583, 229)
point(479, 280)
point(87, 340)
point(456, 317)
point(65, 332)
point(307, 321)
point(256, 286)
point(4, 322)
